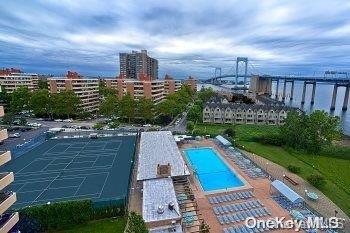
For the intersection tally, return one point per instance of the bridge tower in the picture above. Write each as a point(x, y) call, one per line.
point(245, 61)
point(217, 74)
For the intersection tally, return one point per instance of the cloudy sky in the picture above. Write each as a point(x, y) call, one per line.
point(187, 37)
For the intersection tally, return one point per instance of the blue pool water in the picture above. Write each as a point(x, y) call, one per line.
point(211, 170)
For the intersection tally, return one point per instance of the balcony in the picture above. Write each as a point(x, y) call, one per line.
point(6, 178)
point(3, 134)
point(8, 221)
point(7, 199)
point(5, 156)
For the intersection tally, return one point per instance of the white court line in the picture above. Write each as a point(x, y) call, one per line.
point(25, 166)
point(66, 177)
point(67, 170)
point(79, 186)
point(103, 187)
point(54, 199)
point(47, 165)
point(37, 190)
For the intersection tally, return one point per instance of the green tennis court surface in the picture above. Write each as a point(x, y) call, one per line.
point(67, 169)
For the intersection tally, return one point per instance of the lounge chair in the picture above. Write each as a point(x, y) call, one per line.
point(220, 219)
point(216, 211)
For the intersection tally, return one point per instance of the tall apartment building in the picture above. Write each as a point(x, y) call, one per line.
point(85, 88)
point(7, 219)
point(135, 65)
point(12, 79)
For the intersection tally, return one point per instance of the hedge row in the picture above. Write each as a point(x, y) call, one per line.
point(63, 215)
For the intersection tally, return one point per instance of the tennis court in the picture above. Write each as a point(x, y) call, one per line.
point(67, 169)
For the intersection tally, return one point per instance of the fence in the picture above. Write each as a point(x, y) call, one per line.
point(19, 150)
point(100, 133)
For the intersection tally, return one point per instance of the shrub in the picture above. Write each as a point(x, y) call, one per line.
point(294, 169)
point(316, 180)
point(98, 125)
point(60, 215)
point(230, 132)
point(272, 139)
point(135, 224)
point(63, 215)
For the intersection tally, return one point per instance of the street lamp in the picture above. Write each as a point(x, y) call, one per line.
point(267, 164)
point(305, 192)
point(284, 176)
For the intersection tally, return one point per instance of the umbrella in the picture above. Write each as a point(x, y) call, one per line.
point(312, 196)
point(297, 215)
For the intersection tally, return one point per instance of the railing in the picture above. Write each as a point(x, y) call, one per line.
point(29, 145)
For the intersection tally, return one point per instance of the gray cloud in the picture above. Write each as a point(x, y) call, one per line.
point(188, 37)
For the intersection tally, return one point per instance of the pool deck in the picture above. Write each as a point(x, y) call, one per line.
point(261, 188)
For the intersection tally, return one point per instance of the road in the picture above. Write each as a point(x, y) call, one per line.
point(180, 126)
point(10, 143)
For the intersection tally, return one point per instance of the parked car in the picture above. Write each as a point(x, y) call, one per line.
point(68, 120)
point(15, 135)
point(58, 120)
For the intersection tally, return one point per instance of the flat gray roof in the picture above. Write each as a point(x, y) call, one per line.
point(156, 193)
point(175, 229)
point(159, 147)
point(223, 140)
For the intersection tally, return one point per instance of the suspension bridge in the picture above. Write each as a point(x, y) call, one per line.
point(262, 83)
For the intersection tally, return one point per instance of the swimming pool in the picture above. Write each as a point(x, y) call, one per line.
point(211, 171)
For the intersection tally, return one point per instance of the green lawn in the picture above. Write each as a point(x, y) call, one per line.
point(333, 164)
point(104, 225)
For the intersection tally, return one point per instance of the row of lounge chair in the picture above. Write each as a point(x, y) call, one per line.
point(230, 197)
point(244, 229)
point(248, 167)
point(241, 216)
point(236, 207)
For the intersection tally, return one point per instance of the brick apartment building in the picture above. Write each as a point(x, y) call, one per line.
point(191, 82)
point(171, 85)
point(8, 219)
point(135, 65)
point(85, 88)
point(12, 79)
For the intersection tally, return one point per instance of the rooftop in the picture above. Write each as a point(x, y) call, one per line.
point(159, 148)
point(159, 193)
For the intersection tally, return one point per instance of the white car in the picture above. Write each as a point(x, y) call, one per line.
point(15, 135)
point(68, 120)
point(58, 120)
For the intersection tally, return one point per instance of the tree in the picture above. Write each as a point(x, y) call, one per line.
point(42, 84)
point(127, 107)
point(205, 94)
point(109, 106)
point(195, 113)
point(66, 104)
point(310, 132)
point(230, 132)
point(4, 96)
point(40, 102)
point(293, 132)
point(104, 91)
point(135, 224)
point(190, 126)
point(204, 228)
point(322, 130)
point(145, 109)
point(8, 118)
point(20, 99)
